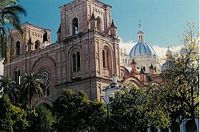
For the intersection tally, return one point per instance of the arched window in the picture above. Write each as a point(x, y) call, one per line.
point(75, 26)
point(106, 58)
point(37, 44)
point(18, 48)
point(76, 61)
point(17, 76)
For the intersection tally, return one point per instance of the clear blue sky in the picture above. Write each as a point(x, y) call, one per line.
point(162, 20)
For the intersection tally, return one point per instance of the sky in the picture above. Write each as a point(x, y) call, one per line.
point(163, 21)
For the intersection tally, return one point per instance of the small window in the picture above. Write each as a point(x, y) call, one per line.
point(18, 48)
point(104, 58)
point(76, 62)
point(17, 76)
point(107, 59)
point(37, 44)
point(75, 26)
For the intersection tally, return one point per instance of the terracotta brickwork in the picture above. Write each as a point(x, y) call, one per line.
point(85, 56)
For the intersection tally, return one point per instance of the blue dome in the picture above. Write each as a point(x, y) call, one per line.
point(142, 49)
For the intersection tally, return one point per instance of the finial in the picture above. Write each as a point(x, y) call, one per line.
point(139, 24)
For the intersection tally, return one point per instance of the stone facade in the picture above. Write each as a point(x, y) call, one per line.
point(85, 56)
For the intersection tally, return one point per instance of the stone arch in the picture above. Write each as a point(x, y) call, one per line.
point(74, 56)
point(47, 63)
point(107, 45)
point(123, 72)
point(107, 58)
point(40, 63)
point(132, 80)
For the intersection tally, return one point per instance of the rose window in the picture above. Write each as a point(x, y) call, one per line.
point(45, 75)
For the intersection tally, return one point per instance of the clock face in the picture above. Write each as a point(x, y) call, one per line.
point(45, 75)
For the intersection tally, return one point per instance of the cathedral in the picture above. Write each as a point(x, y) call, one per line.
point(86, 55)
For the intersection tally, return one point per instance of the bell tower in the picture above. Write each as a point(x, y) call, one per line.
point(91, 45)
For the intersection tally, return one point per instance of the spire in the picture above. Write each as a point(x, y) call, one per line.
point(113, 28)
point(133, 62)
point(140, 33)
point(113, 24)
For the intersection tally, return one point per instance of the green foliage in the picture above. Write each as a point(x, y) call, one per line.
point(156, 113)
point(9, 87)
point(180, 90)
point(41, 119)
point(12, 118)
point(74, 112)
point(9, 12)
point(32, 86)
point(133, 110)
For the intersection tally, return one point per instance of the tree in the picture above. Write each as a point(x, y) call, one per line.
point(9, 17)
point(181, 83)
point(12, 118)
point(9, 87)
point(40, 120)
point(16, 119)
point(74, 112)
point(133, 110)
point(32, 86)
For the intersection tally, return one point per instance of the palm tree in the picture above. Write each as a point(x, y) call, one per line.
point(9, 18)
point(8, 86)
point(32, 86)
